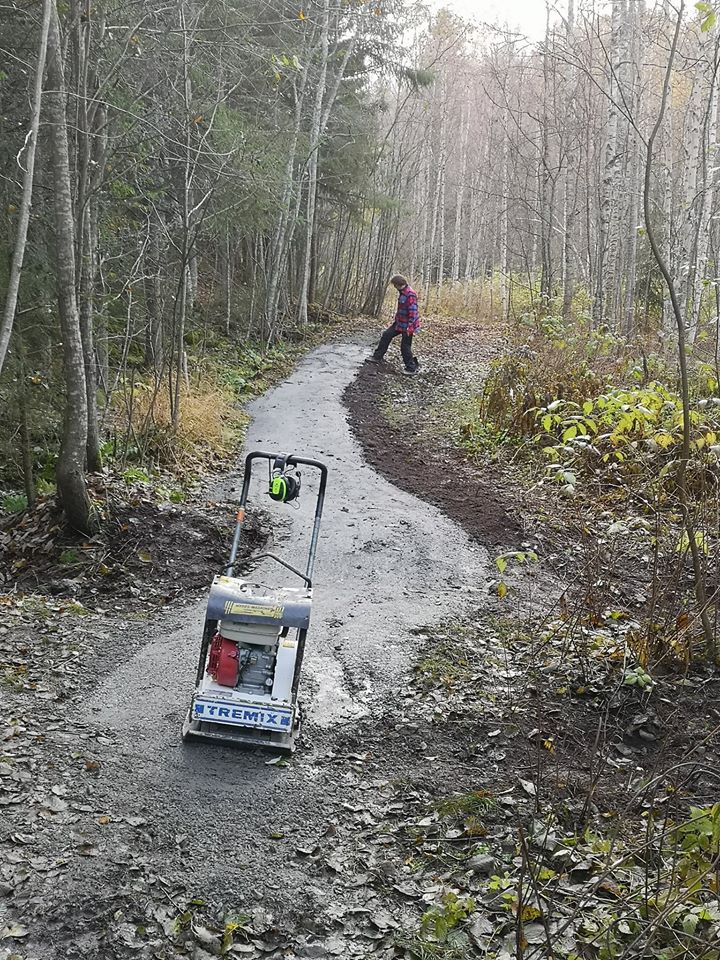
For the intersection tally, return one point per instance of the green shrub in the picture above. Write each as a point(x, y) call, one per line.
point(14, 503)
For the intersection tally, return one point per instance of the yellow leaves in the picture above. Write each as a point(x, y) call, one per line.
point(530, 913)
point(700, 542)
point(664, 439)
point(301, 15)
point(502, 590)
point(198, 119)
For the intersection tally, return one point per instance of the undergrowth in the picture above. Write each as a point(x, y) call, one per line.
point(579, 411)
point(211, 422)
point(141, 443)
point(610, 849)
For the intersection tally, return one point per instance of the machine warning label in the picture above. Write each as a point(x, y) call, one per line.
point(252, 610)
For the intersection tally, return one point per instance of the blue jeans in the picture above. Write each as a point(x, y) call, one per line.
point(405, 347)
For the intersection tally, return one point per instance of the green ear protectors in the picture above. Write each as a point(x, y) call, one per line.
point(284, 486)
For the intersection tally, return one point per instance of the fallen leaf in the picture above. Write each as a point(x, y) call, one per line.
point(87, 850)
point(277, 762)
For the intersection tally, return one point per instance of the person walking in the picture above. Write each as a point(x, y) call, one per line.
point(405, 323)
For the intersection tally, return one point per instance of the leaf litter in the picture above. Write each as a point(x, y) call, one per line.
point(456, 828)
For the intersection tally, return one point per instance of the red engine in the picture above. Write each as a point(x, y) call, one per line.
point(223, 661)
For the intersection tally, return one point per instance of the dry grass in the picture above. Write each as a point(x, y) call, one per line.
point(210, 424)
point(468, 300)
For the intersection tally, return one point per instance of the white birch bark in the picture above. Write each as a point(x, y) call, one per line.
point(568, 199)
point(504, 223)
point(459, 200)
point(633, 180)
point(684, 265)
point(608, 226)
point(315, 130)
point(708, 186)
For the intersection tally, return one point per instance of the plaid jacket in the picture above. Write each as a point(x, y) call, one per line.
point(407, 319)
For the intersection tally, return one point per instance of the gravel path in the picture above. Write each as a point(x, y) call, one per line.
point(222, 819)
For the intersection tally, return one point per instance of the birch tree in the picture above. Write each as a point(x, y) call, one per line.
point(71, 460)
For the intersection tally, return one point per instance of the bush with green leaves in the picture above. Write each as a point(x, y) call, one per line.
point(439, 922)
point(623, 431)
point(14, 503)
point(568, 360)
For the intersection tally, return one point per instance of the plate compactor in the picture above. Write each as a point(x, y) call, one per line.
point(253, 642)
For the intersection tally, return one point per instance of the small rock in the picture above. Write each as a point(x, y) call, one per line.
point(311, 950)
point(483, 864)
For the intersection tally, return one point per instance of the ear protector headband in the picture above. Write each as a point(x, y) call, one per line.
point(284, 486)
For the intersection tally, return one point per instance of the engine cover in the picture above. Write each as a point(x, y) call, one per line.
point(223, 661)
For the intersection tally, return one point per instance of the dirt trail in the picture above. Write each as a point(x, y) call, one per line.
point(386, 563)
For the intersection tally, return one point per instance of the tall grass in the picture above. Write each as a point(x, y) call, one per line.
point(209, 427)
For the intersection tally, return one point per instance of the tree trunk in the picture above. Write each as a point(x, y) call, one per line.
point(504, 223)
point(441, 203)
point(154, 300)
point(609, 226)
point(694, 548)
point(26, 450)
point(186, 244)
point(460, 194)
point(571, 162)
point(683, 265)
point(321, 114)
point(633, 189)
point(228, 280)
point(71, 460)
point(707, 186)
point(16, 265)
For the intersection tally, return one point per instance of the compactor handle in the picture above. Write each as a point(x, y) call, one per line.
point(291, 462)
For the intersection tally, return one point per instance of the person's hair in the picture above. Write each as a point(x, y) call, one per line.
point(398, 280)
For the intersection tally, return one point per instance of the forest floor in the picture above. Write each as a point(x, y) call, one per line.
point(468, 768)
